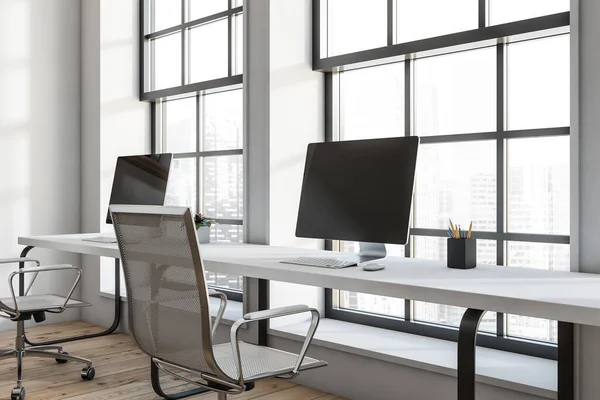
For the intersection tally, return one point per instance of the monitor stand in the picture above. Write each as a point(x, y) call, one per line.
point(370, 252)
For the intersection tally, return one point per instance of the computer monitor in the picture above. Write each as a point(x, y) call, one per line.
point(140, 180)
point(359, 190)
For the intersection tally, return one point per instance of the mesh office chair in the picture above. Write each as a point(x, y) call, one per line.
point(23, 308)
point(169, 311)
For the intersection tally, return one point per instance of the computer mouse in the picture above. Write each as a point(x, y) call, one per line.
point(373, 267)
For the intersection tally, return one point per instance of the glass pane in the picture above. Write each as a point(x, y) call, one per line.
point(238, 44)
point(538, 185)
point(208, 51)
point(238, 3)
point(233, 282)
point(372, 102)
point(181, 190)
point(223, 128)
point(355, 25)
point(458, 181)
point(222, 191)
point(222, 233)
point(369, 303)
point(395, 250)
point(165, 14)
point(323, 22)
point(538, 83)
point(437, 313)
point(456, 93)
point(429, 18)
point(434, 248)
point(538, 255)
point(503, 11)
point(486, 252)
point(180, 125)
point(204, 8)
point(532, 328)
point(166, 56)
point(449, 315)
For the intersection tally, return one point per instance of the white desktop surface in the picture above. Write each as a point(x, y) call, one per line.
point(564, 296)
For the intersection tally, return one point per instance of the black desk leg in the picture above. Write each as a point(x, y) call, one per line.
point(117, 314)
point(566, 361)
point(24, 253)
point(467, 336)
point(263, 304)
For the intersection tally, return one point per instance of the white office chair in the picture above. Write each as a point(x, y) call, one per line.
point(169, 308)
point(22, 308)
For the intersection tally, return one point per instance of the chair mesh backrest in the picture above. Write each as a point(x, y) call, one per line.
point(168, 301)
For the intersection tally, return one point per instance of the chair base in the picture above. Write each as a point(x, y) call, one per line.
point(54, 352)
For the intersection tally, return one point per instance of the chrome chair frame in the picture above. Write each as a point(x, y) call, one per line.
point(21, 350)
point(234, 335)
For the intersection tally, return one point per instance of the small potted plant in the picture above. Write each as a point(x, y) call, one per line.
point(203, 225)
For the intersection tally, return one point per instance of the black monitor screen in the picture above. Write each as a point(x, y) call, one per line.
point(358, 190)
point(140, 180)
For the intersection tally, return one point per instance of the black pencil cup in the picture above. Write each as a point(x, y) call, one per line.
point(462, 253)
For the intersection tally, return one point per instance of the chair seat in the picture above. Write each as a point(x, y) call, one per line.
point(259, 361)
point(41, 302)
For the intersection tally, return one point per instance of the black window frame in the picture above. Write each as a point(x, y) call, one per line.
point(159, 98)
point(498, 36)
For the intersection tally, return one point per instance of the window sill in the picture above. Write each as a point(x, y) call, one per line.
point(516, 372)
point(233, 312)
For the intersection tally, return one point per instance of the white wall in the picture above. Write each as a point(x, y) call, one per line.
point(114, 123)
point(297, 118)
point(39, 131)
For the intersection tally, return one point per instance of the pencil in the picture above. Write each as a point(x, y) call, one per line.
point(470, 229)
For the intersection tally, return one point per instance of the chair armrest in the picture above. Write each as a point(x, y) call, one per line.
point(36, 271)
point(274, 313)
point(222, 306)
point(45, 269)
point(18, 260)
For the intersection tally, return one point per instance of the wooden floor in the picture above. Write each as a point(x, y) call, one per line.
point(122, 372)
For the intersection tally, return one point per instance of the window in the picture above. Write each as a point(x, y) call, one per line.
point(191, 69)
point(190, 46)
point(503, 11)
point(494, 126)
point(355, 25)
point(415, 19)
point(205, 134)
point(455, 93)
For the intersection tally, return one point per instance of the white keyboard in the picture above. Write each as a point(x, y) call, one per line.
point(320, 262)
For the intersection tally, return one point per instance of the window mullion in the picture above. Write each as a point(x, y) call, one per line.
point(483, 13)
point(163, 125)
point(408, 123)
point(183, 44)
point(199, 134)
point(500, 169)
point(390, 22)
point(229, 39)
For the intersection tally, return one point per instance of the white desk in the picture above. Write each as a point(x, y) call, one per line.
point(563, 296)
